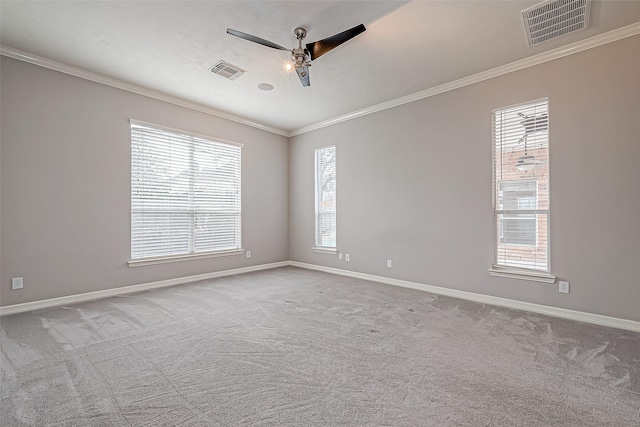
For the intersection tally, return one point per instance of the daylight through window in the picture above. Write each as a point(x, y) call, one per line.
point(185, 193)
point(325, 169)
point(521, 186)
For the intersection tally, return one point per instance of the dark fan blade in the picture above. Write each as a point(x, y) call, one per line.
point(255, 39)
point(319, 48)
point(303, 73)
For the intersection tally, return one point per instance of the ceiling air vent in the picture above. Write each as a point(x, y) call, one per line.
point(227, 70)
point(555, 18)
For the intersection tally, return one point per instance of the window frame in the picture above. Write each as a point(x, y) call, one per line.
point(317, 247)
point(192, 254)
point(513, 272)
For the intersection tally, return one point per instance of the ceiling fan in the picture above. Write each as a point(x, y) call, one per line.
point(531, 124)
point(303, 55)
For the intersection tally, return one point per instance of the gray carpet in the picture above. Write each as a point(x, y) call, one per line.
point(292, 347)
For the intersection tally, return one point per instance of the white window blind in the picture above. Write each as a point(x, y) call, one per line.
point(325, 170)
point(185, 193)
point(521, 186)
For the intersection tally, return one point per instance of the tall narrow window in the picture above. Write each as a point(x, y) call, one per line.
point(185, 194)
point(521, 188)
point(325, 159)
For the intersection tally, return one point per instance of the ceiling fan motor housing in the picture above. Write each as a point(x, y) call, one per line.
point(300, 57)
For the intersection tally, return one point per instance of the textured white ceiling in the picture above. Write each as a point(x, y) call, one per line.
point(169, 46)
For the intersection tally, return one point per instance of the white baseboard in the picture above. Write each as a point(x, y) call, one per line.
point(580, 316)
point(597, 319)
point(89, 296)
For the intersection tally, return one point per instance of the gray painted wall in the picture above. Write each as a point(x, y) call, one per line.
point(414, 185)
point(65, 185)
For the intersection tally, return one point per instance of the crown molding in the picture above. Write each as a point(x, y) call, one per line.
point(592, 42)
point(130, 87)
point(595, 41)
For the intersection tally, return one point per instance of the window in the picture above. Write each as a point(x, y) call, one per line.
point(518, 229)
point(185, 194)
point(521, 189)
point(325, 170)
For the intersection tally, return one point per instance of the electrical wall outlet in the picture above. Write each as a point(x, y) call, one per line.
point(340, 255)
point(346, 257)
point(389, 263)
point(563, 287)
point(248, 254)
point(17, 283)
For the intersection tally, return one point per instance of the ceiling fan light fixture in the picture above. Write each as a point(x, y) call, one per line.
point(526, 163)
point(526, 168)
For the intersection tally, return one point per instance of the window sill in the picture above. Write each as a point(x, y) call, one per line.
point(178, 258)
point(325, 250)
point(512, 273)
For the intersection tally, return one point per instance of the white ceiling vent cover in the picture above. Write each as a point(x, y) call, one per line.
point(227, 70)
point(555, 18)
